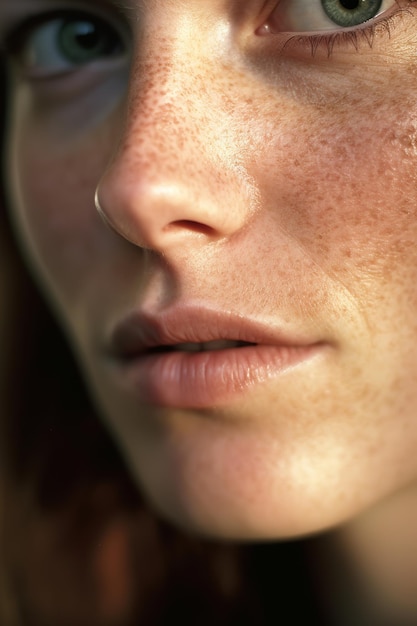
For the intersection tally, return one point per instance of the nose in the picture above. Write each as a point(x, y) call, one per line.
point(177, 175)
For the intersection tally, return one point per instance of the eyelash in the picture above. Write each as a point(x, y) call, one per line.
point(354, 37)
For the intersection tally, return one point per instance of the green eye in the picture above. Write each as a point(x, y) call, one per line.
point(61, 41)
point(84, 40)
point(316, 16)
point(347, 13)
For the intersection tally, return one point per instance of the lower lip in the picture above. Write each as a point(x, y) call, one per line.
point(205, 379)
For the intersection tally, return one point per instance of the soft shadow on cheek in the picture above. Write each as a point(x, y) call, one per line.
point(53, 205)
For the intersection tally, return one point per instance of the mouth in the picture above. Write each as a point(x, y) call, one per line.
point(198, 358)
point(194, 329)
point(205, 346)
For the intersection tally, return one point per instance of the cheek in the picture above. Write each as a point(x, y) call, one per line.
point(53, 192)
point(342, 185)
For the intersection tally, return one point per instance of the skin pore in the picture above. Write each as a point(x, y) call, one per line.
point(252, 166)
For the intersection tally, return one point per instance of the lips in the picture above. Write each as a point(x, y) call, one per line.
point(190, 327)
point(193, 357)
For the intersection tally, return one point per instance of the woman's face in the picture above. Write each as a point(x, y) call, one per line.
point(244, 300)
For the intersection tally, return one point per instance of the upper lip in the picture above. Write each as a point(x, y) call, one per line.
point(140, 332)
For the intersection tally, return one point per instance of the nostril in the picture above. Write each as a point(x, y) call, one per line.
point(193, 226)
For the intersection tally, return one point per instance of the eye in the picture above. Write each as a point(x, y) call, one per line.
point(351, 12)
point(305, 16)
point(57, 43)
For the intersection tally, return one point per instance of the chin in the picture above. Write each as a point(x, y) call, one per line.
point(243, 521)
point(231, 494)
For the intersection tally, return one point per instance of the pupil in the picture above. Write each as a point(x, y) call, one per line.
point(87, 36)
point(350, 4)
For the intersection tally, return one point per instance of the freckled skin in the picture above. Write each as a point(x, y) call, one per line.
point(278, 186)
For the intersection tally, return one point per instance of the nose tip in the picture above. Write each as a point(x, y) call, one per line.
point(160, 215)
